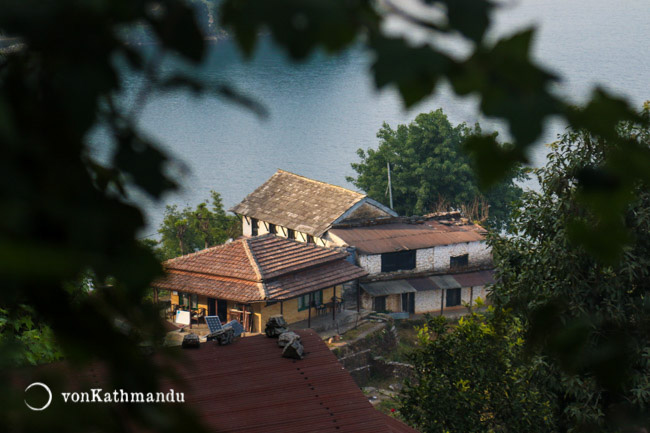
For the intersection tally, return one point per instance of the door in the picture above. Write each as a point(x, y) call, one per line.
point(222, 310)
point(380, 304)
point(212, 307)
point(408, 303)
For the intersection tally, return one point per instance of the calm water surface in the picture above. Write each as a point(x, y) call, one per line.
point(322, 111)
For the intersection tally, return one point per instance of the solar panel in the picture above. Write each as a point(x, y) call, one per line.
point(236, 327)
point(213, 323)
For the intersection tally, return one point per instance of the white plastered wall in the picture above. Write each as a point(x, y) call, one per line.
point(478, 253)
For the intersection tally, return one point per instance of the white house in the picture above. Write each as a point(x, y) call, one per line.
point(418, 264)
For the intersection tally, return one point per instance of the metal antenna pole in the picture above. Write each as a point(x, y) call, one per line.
point(390, 188)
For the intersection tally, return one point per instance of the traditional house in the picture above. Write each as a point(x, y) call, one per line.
point(296, 207)
point(254, 278)
point(418, 264)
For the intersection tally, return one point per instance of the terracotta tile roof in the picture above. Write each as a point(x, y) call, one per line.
point(229, 260)
point(300, 283)
point(211, 286)
point(277, 256)
point(384, 238)
point(297, 202)
point(261, 268)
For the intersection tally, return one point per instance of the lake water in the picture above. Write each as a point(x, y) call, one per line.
point(322, 111)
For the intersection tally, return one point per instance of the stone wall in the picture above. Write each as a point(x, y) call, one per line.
point(365, 358)
point(371, 263)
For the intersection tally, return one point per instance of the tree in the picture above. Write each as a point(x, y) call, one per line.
point(431, 172)
point(588, 316)
point(188, 230)
point(472, 378)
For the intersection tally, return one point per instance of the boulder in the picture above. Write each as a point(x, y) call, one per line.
point(286, 338)
point(275, 326)
point(191, 341)
point(293, 349)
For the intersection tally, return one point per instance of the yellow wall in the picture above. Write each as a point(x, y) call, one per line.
point(262, 312)
point(290, 308)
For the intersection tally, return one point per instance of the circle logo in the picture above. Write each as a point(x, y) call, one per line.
point(46, 388)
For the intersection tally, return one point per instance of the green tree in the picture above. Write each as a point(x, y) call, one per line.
point(430, 171)
point(472, 378)
point(188, 230)
point(588, 317)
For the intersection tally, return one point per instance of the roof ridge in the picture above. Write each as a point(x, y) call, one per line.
point(203, 251)
point(320, 182)
point(256, 267)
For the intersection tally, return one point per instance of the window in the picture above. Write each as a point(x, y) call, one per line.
point(291, 234)
point(459, 261)
point(453, 297)
point(401, 260)
point(273, 229)
point(303, 301)
point(184, 299)
point(194, 300)
point(380, 304)
point(254, 227)
point(310, 239)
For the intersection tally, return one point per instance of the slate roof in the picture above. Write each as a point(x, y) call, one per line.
point(400, 236)
point(260, 268)
point(297, 202)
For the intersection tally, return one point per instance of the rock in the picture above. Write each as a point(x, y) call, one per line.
point(191, 341)
point(275, 326)
point(293, 349)
point(286, 338)
point(226, 337)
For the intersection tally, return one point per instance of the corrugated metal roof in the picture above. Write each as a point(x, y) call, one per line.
point(297, 202)
point(377, 239)
point(383, 288)
point(247, 387)
point(422, 284)
point(445, 282)
point(478, 278)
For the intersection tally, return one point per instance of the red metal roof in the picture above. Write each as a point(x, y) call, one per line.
point(377, 239)
point(248, 387)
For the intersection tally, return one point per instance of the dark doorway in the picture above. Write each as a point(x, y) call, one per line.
point(212, 307)
point(453, 297)
point(222, 310)
point(408, 302)
point(380, 304)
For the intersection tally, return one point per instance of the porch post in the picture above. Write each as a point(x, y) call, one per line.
point(442, 300)
point(155, 296)
point(243, 308)
point(334, 305)
point(358, 297)
point(309, 310)
point(282, 307)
